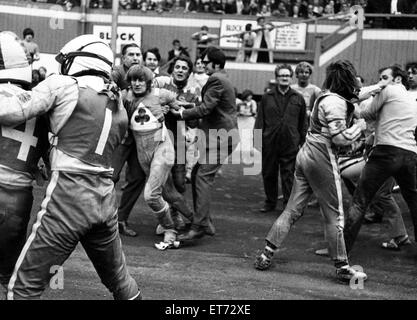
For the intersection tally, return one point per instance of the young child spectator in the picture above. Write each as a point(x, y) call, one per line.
point(248, 106)
point(31, 47)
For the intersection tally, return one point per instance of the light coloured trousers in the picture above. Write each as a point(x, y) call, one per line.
point(156, 156)
point(316, 171)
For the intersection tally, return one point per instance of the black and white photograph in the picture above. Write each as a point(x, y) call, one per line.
point(208, 158)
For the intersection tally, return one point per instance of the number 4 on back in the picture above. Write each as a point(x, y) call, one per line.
point(26, 138)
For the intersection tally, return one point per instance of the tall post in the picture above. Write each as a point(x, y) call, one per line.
point(357, 22)
point(83, 19)
point(317, 54)
point(115, 14)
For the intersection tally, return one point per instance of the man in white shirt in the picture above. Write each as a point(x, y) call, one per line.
point(395, 149)
point(309, 91)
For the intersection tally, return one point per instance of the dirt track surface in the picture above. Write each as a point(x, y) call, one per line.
point(221, 267)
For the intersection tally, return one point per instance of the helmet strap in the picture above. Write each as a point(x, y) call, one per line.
point(25, 85)
point(68, 59)
point(92, 72)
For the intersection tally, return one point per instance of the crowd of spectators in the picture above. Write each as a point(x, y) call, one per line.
point(278, 8)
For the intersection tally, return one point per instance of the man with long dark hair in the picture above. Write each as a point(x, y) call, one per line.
point(332, 128)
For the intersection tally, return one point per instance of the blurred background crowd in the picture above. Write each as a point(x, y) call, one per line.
point(277, 8)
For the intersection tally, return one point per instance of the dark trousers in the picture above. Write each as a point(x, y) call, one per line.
point(272, 162)
point(135, 178)
point(384, 162)
point(202, 180)
point(178, 176)
point(15, 206)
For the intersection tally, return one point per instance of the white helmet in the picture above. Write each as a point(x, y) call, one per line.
point(14, 64)
point(86, 54)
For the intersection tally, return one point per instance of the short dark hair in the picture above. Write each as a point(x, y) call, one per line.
point(397, 71)
point(216, 56)
point(176, 41)
point(246, 93)
point(283, 66)
point(260, 18)
point(154, 51)
point(341, 79)
point(248, 27)
point(183, 57)
point(127, 46)
point(205, 28)
point(411, 65)
point(28, 31)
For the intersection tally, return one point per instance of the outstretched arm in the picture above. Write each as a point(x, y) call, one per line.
point(211, 99)
point(53, 91)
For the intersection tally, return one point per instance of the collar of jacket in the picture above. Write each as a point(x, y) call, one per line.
point(222, 71)
point(290, 91)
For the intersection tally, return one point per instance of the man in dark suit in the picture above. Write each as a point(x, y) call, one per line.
point(218, 136)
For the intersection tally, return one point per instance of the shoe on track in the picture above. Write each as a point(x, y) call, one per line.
point(347, 273)
point(262, 262)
